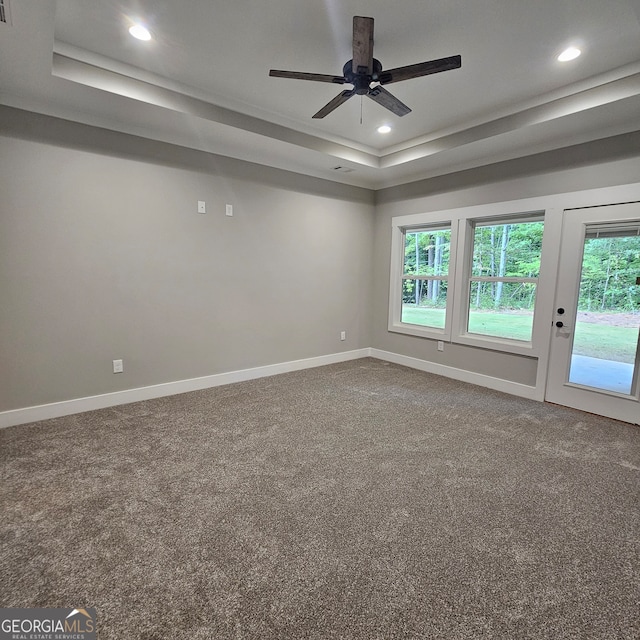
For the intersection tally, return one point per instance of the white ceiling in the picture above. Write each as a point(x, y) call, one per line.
point(203, 80)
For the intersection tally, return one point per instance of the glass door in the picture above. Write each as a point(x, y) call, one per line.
point(594, 359)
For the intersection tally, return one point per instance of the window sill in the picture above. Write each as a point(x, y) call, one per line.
point(419, 331)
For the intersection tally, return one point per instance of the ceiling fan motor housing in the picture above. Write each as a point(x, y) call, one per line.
point(361, 79)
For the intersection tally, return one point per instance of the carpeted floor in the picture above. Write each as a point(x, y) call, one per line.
point(361, 500)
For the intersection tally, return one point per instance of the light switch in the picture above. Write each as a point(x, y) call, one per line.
point(229, 210)
point(202, 207)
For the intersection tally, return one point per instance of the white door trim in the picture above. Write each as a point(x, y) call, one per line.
point(558, 389)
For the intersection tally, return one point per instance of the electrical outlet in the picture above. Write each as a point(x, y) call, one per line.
point(343, 335)
point(118, 366)
point(440, 345)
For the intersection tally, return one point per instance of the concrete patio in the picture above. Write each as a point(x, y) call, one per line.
point(601, 374)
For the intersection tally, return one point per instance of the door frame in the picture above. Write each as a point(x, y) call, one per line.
point(558, 389)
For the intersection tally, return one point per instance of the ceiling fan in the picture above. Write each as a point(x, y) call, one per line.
point(363, 70)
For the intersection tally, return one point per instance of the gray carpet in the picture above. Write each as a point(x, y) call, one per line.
point(359, 500)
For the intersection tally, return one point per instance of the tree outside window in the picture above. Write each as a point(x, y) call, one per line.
point(425, 277)
point(504, 279)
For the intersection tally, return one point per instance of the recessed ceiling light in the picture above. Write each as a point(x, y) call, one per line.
point(569, 54)
point(140, 32)
point(385, 128)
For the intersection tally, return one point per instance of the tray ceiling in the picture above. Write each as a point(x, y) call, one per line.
point(202, 81)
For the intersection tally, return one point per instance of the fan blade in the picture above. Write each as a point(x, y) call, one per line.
point(335, 103)
point(420, 69)
point(388, 101)
point(362, 45)
point(301, 75)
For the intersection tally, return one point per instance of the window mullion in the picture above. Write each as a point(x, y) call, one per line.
point(460, 277)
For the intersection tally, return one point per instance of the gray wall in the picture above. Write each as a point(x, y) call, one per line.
point(539, 175)
point(103, 256)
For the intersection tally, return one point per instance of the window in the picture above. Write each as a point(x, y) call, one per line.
point(504, 278)
point(470, 278)
point(425, 277)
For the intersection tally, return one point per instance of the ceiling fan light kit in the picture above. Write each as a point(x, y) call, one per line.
point(363, 71)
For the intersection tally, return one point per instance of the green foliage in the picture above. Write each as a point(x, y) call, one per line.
point(506, 251)
point(610, 267)
point(432, 255)
point(521, 244)
point(426, 253)
point(518, 296)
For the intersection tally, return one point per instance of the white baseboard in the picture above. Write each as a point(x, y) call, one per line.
point(498, 384)
point(79, 405)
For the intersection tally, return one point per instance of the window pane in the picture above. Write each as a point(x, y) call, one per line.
point(427, 252)
point(502, 309)
point(607, 327)
point(511, 250)
point(424, 302)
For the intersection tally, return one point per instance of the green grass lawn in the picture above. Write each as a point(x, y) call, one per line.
point(423, 316)
point(605, 342)
point(504, 325)
point(594, 340)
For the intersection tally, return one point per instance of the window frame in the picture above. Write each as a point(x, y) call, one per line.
point(462, 334)
point(398, 254)
point(463, 223)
